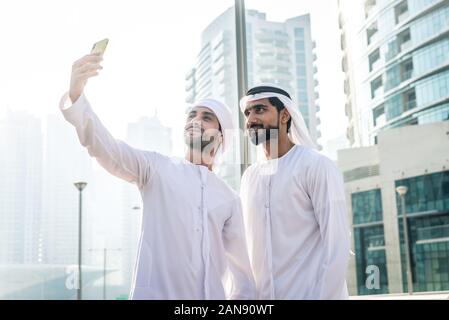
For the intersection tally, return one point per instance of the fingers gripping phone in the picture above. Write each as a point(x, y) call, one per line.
point(99, 47)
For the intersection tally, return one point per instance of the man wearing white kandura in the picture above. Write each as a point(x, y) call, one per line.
point(192, 235)
point(293, 204)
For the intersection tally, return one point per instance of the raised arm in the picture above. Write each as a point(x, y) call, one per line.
point(115, 156)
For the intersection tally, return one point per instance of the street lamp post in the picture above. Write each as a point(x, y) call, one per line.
point(402, 191)
point(80, 186)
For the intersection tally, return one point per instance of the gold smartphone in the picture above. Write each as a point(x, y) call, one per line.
point(99, 47)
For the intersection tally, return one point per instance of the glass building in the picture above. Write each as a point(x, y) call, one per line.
point(396, 65)
point(427, 211)
point(396, 61)
point(369, 241)
point(414, 157)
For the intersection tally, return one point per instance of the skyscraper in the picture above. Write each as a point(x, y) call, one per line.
point(396, 59)
point(20, 189)
point(66, 162)
point(277, 52)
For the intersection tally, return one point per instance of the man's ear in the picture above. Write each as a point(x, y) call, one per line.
point(285, 116)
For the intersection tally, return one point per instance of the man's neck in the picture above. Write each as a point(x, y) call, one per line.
point(283, 146)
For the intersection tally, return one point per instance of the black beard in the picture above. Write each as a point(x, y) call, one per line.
point(262, 134)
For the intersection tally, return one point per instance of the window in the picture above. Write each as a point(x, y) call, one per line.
point(302, 83)
point(426, 193)
point(299, 33)
point(369, 239)
point(371, 32)
point(409, 100)
point(401, 11)
point(300, 58)
point(301, 71)
point(369, 245)
point(393, 106)
point(299, 45)
point(406, 69)
point(282, 57)
point(404, 40)
point(379, 115)
point(302, 95)
point(428, 248)
point(373, 58)
point(367, 206)
point(369, 6)
point(376, 86)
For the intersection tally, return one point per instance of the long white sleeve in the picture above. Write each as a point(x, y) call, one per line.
point(243, 285)
point(117, 157)
point(326, 190)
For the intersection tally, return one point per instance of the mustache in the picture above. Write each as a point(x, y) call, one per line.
point(193, 127)
point(256, 126)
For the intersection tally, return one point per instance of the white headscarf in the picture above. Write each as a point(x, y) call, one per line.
point(299, 134)
point(224, 116)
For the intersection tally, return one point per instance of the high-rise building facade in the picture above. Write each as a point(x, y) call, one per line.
point(404, 156)
point(20, 189)
point(396, 62)
point(396, 65)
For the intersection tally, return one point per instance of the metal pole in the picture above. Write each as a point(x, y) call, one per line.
point(407, 247)
point(80, 186)
point(242, 77)
point(80, 214)
point(105, 252)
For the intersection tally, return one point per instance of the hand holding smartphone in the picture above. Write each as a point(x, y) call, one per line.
point(85, 68)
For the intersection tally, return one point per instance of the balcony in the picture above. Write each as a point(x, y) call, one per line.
point(401, 18)
point(375, 65)
point(369, 7)
point(409, 105)
point(406, 45)
point(377, 92)
point(406, 75)
point(348, 110)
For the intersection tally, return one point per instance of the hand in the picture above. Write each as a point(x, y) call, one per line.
point(82, 70)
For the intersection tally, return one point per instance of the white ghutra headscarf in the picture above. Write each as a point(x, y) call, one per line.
point(299, 134)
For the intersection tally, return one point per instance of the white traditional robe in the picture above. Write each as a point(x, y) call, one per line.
point(297, 230)
point(192, 235)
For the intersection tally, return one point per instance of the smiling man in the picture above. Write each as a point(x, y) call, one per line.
point(293, 204)
point(192, 235)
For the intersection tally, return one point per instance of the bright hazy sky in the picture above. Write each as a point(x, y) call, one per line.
point(152, 46)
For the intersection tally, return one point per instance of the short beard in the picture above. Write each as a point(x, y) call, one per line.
point(263, 134)
point(197, 143)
